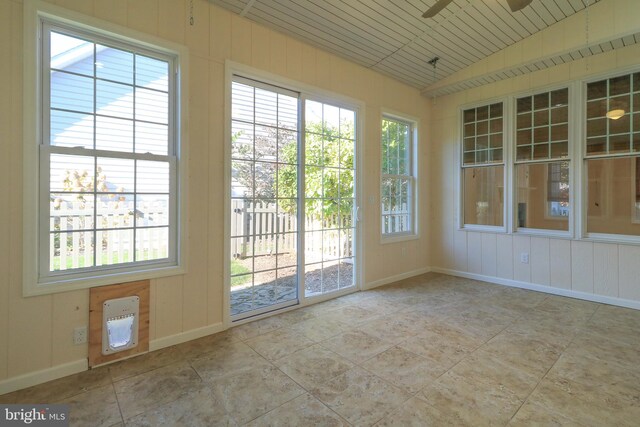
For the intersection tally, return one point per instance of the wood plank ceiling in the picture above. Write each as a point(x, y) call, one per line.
point(391, 36)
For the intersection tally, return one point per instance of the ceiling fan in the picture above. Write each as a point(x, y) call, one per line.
point(515, 6)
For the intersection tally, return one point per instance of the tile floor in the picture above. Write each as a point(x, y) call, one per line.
point(431, 350)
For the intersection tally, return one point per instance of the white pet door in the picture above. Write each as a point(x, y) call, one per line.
point(120, 324)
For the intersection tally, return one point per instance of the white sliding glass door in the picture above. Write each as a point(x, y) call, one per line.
point(329, 191)
point(292, 186)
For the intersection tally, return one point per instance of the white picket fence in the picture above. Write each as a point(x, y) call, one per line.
point(396, 221)
point(73, 250)
point(275, 231)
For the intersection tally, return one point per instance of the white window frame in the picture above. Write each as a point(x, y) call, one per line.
point(583, 173)
point(573, 136)
point(507, 164)
point(414, 232)
point(36, 178)
point(307, 92)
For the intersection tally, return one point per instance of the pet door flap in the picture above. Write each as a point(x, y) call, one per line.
point(120, 324)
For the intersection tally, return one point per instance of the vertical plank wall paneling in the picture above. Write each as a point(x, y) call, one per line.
point(194, 300)
point(600, 269)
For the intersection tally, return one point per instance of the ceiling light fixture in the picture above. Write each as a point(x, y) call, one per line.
point(615, 114)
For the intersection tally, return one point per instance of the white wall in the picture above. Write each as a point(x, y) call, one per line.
point(36, 332)
point(580, 268)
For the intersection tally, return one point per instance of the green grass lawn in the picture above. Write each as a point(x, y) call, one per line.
point(237, 268)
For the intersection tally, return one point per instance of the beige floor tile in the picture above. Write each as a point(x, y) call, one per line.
point(313, 366)
point(304, 410)
point(527, 354)
point(278, 344)
point(360, 397)
point(320, 329)
point(488, 369)
point(445, 350)
point(350, 315)
point(356, 346)
point(149, 390)
point(587, 405)
point(198, 408)
point(417, 412)
point(326, 307)
point(295, 316)
point(404, 369)
point(196, 348)
point(472, 402)
point(531, 414)
point(258, 327)
point(227, 360)
point(610, 377)
point(625, 352)
point(144, 363)
point(61, 388)
point(381, 306)
point(393, 328)
point(254, 392)
point(97, 407)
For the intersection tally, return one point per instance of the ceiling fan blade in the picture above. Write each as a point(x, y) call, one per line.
point(436, 8)
point(516, 5)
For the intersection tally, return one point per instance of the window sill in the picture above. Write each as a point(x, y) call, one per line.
point(543, 233)
point(398, 238)
point(65, 284)
point(484, 228)
point(617, 239)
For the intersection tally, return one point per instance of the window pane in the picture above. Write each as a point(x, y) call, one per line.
point(71, 173)
point(152, 177)
point(71, 129)
point(242, 105)
point(152, 243)
point(484, 195)
point(542, 195)
point(71, 92)
point(613, 196)
point(152, 138)
point(114, 247)
point(114, 64)
point(114, 99)
point(152, 106)
point(287, 112)
point(70, 250)
point(114, 134)
point(71, 54)
point(70, 211)
point(115, 175)
point(152, 73)
point(115, 211)
point(266, 108)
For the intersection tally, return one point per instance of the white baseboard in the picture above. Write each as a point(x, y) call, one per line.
point(542, 288)
point(395, 278)
point(181, 337)
point(42, 376)
point(38, 377)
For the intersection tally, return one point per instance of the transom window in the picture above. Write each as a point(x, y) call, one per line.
point(108, 188)
point(398, 180)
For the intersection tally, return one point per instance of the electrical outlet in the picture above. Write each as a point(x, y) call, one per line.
point(524, 257)
point(80, 335)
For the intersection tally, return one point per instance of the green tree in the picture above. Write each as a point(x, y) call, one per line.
point(323, 186)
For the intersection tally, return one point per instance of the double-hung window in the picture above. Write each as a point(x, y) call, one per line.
point(108, 156)
point(612, 154)
point(542, 161)
point(483, 166)
point(398, 178)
